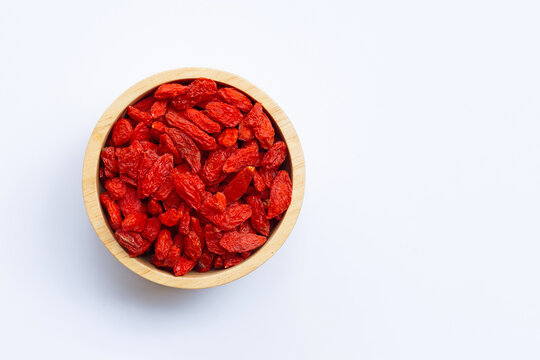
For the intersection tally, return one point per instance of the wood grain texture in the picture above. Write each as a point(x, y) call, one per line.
point(92, 188)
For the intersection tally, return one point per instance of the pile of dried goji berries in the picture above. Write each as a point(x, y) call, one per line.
point(192, 177)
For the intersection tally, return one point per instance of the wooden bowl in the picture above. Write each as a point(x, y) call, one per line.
point(140, 265)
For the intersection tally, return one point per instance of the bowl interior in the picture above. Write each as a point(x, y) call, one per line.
point(294, 165)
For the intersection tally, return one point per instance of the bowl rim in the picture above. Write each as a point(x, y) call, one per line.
point(140, 266)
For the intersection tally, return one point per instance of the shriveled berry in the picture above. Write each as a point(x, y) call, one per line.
point(199, 90)
point(108, 156)
point(139, 116)
point(151, 229)
point(170, 217)
point(235, 260)
point(202, 121)
point(163, 244)
point(116, 188)
point(183, 265)
point(258, 215)
point(115, 218)
point(234, 97)
point(202, 139)
point(134, 222)
point(121, 132)
point(241, 158)
point(239, 184)
point(192, 245)
point(261, 125)
point(132, 242)
point(275, 156)
point(280, 194)
point(228, 137)
point(159, 108)
point(223, 113)
point(169, 91)
point(235, 241)
point(140, 133)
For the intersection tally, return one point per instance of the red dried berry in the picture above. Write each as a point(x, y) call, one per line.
point(121, 132)
point(235, 260)
point(169, 91)
point(170, 217)
point(239, 184)
point(108, 155)
point(185, 219)
point(261, 125)
point(140, 133)
point(212, 236)
point(144, 104)
point(116, 188)
point(188, 186)
point(192, 245)
point(214, 204)
point(241, 158)
point(134, 222)
point(268, 176)
point(234, 215)
point(154, 207)
point(258, 182)
point(236, 98)
point(130, 203)
point(235, 241)
point(202, 121)
point(280, 194)
point(159, 108)
point(275, 156)
point(115, 218)
point(223, 113)
point(205, 141)
point(132, 242)
point(183, 265)
point(199, 90)
point(212, 170)
point(163, 244)
point(151, 229)
point(258, 215)
point(139, 116)
point(228, 137)
point(205, 261)
point(157, 174)
point(218, 262)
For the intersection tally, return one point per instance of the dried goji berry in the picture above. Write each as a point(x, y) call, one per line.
point(144, 104)
point(139, 116)
point(202, 104)
point(164, 189)
point(169, 91)
point(245, 254)
point(223, 113)
point(167, 146)
point(156, 175)
point(228, 137)
point(199, 90)
point(235, 260)
point(134, 222)
point(245, 132)
point(205, 141)
point(280, 194)
point(126, 179)
point(212, 236)
point(235, 241)
point(178, 241)
point(115, 218)
point(159, 108)
point(148, 159)
point(170, 217)
point(204, 263)
point(172, 201)
point(185, 218)
point(234, 215)
point(163, 244)
point(121, 132)
point(258, 215)
point(241, 158)
point(140, 133)
point(202, 121)
point(275, 156)
point(268, 176)
point(183, 265)
point(246, 227)
point(108, 155)
point(154, 207)
point(218, 262)
point(129, 159)
point(116, 188)
point(239, 184)
point(151, 229)
point(258, 182)
point(192, 245)
point(132, 242)
point(214, 204)
point(130, 203)
point(187, 185)
point(261, 125)
point(212, 170)
point(236, 98)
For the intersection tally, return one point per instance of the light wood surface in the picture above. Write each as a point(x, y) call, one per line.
point(92, 187)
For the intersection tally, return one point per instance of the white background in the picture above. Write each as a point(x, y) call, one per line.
point(419, 234)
